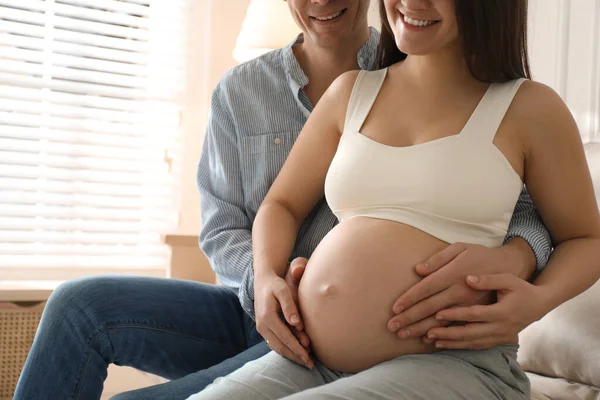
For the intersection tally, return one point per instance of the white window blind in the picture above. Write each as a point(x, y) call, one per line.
point(90, 96)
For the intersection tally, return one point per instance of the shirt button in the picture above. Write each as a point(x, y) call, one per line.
point(277, 141)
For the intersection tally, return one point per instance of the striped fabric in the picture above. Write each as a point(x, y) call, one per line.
point(257, 111)
point(527, 224)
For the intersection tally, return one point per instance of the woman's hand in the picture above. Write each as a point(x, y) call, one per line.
point(292, 278)
point(519, 304)
point(443, 286)
point(273, 296)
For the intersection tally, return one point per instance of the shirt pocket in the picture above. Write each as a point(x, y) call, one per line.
point(261, 160)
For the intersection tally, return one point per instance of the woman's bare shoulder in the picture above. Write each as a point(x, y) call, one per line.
point(539, 102)
point(341, 88)
point(541, 111)
point(331, 108)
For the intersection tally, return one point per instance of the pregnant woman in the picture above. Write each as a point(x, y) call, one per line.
point(408, 172)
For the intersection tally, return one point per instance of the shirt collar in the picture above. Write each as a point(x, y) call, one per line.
point(297, 78)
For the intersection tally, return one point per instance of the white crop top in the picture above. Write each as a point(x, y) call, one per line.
point(459, 188)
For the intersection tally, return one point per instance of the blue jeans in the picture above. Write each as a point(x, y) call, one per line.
point(188, 332)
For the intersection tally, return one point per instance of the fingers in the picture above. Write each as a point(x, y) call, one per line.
point(295, 271)
point(283, 341)
point(281, 348)
point(420, 291)
point(440, 259)
point(302, 337)
point(470, 332)
point(285, 336)
point(420, 328)
point(284, 297)
point(479, 344)
point(494, 282)
point(294, 274)
point(292, 284)
point(292, 316)
point(297, 267)
point(476, 313)
point(275, 330)
point(423, 309)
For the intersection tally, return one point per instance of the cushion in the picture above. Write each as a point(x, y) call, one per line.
point(544, 388)
point(565, 344)
point(539, 396)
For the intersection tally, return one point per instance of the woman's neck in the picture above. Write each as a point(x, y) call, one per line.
point(444, 70)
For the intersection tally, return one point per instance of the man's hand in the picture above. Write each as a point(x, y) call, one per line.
point(519, 304)
point(292, 278)
point(444, 285)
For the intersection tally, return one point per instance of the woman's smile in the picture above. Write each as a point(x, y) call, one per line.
point(415, 24)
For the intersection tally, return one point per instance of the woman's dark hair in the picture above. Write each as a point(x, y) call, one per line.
point(493, 35)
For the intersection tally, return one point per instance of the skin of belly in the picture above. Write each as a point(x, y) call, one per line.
point(349, 287)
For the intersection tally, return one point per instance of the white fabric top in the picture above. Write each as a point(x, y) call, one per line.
point(460, 188)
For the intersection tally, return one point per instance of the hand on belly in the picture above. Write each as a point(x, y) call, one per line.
point(350, 285)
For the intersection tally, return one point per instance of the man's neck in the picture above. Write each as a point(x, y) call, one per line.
point(323, 65)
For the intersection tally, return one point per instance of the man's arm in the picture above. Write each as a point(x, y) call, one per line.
point(226, 236)
point(527, 225)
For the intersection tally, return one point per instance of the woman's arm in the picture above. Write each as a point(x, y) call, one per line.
point(300, 183)
point(559, 181)
point(297, 189)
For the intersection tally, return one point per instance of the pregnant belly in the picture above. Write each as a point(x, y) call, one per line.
point(350, 285)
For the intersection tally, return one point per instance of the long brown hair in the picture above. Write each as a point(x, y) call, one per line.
point(493, 35)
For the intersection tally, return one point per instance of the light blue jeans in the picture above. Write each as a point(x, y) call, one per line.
point(189, 332)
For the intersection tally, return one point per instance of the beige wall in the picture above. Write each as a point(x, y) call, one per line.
point(374, 14)
point(211, 56)
point(216, 26)
point(565, 54)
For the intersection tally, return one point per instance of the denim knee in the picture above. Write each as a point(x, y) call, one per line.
point(78, 306)
point(78, 294)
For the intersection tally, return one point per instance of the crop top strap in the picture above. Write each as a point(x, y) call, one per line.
point(365, 91)
point(492, 108)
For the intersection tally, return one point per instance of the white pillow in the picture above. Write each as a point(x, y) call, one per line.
point(544, 388)
point(566, 342)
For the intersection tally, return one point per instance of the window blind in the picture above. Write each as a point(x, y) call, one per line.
point(90, 142)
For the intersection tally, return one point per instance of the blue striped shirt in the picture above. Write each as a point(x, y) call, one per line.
point(257, 111)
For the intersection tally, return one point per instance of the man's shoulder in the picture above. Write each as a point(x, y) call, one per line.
point(262, 72)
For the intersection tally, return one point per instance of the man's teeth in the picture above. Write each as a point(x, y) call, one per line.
point(417, 22)
point(330, 17)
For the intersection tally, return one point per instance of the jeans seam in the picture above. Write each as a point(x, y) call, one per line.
point(102, 331)
point(97, 334)
point(139, 325)
point(250, 333)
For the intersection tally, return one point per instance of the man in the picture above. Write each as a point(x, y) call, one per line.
point(193, 333)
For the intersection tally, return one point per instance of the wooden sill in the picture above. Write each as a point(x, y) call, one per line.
point(26, 291)
point(181, 240)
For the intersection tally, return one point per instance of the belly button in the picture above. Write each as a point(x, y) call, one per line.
point(326, 289)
